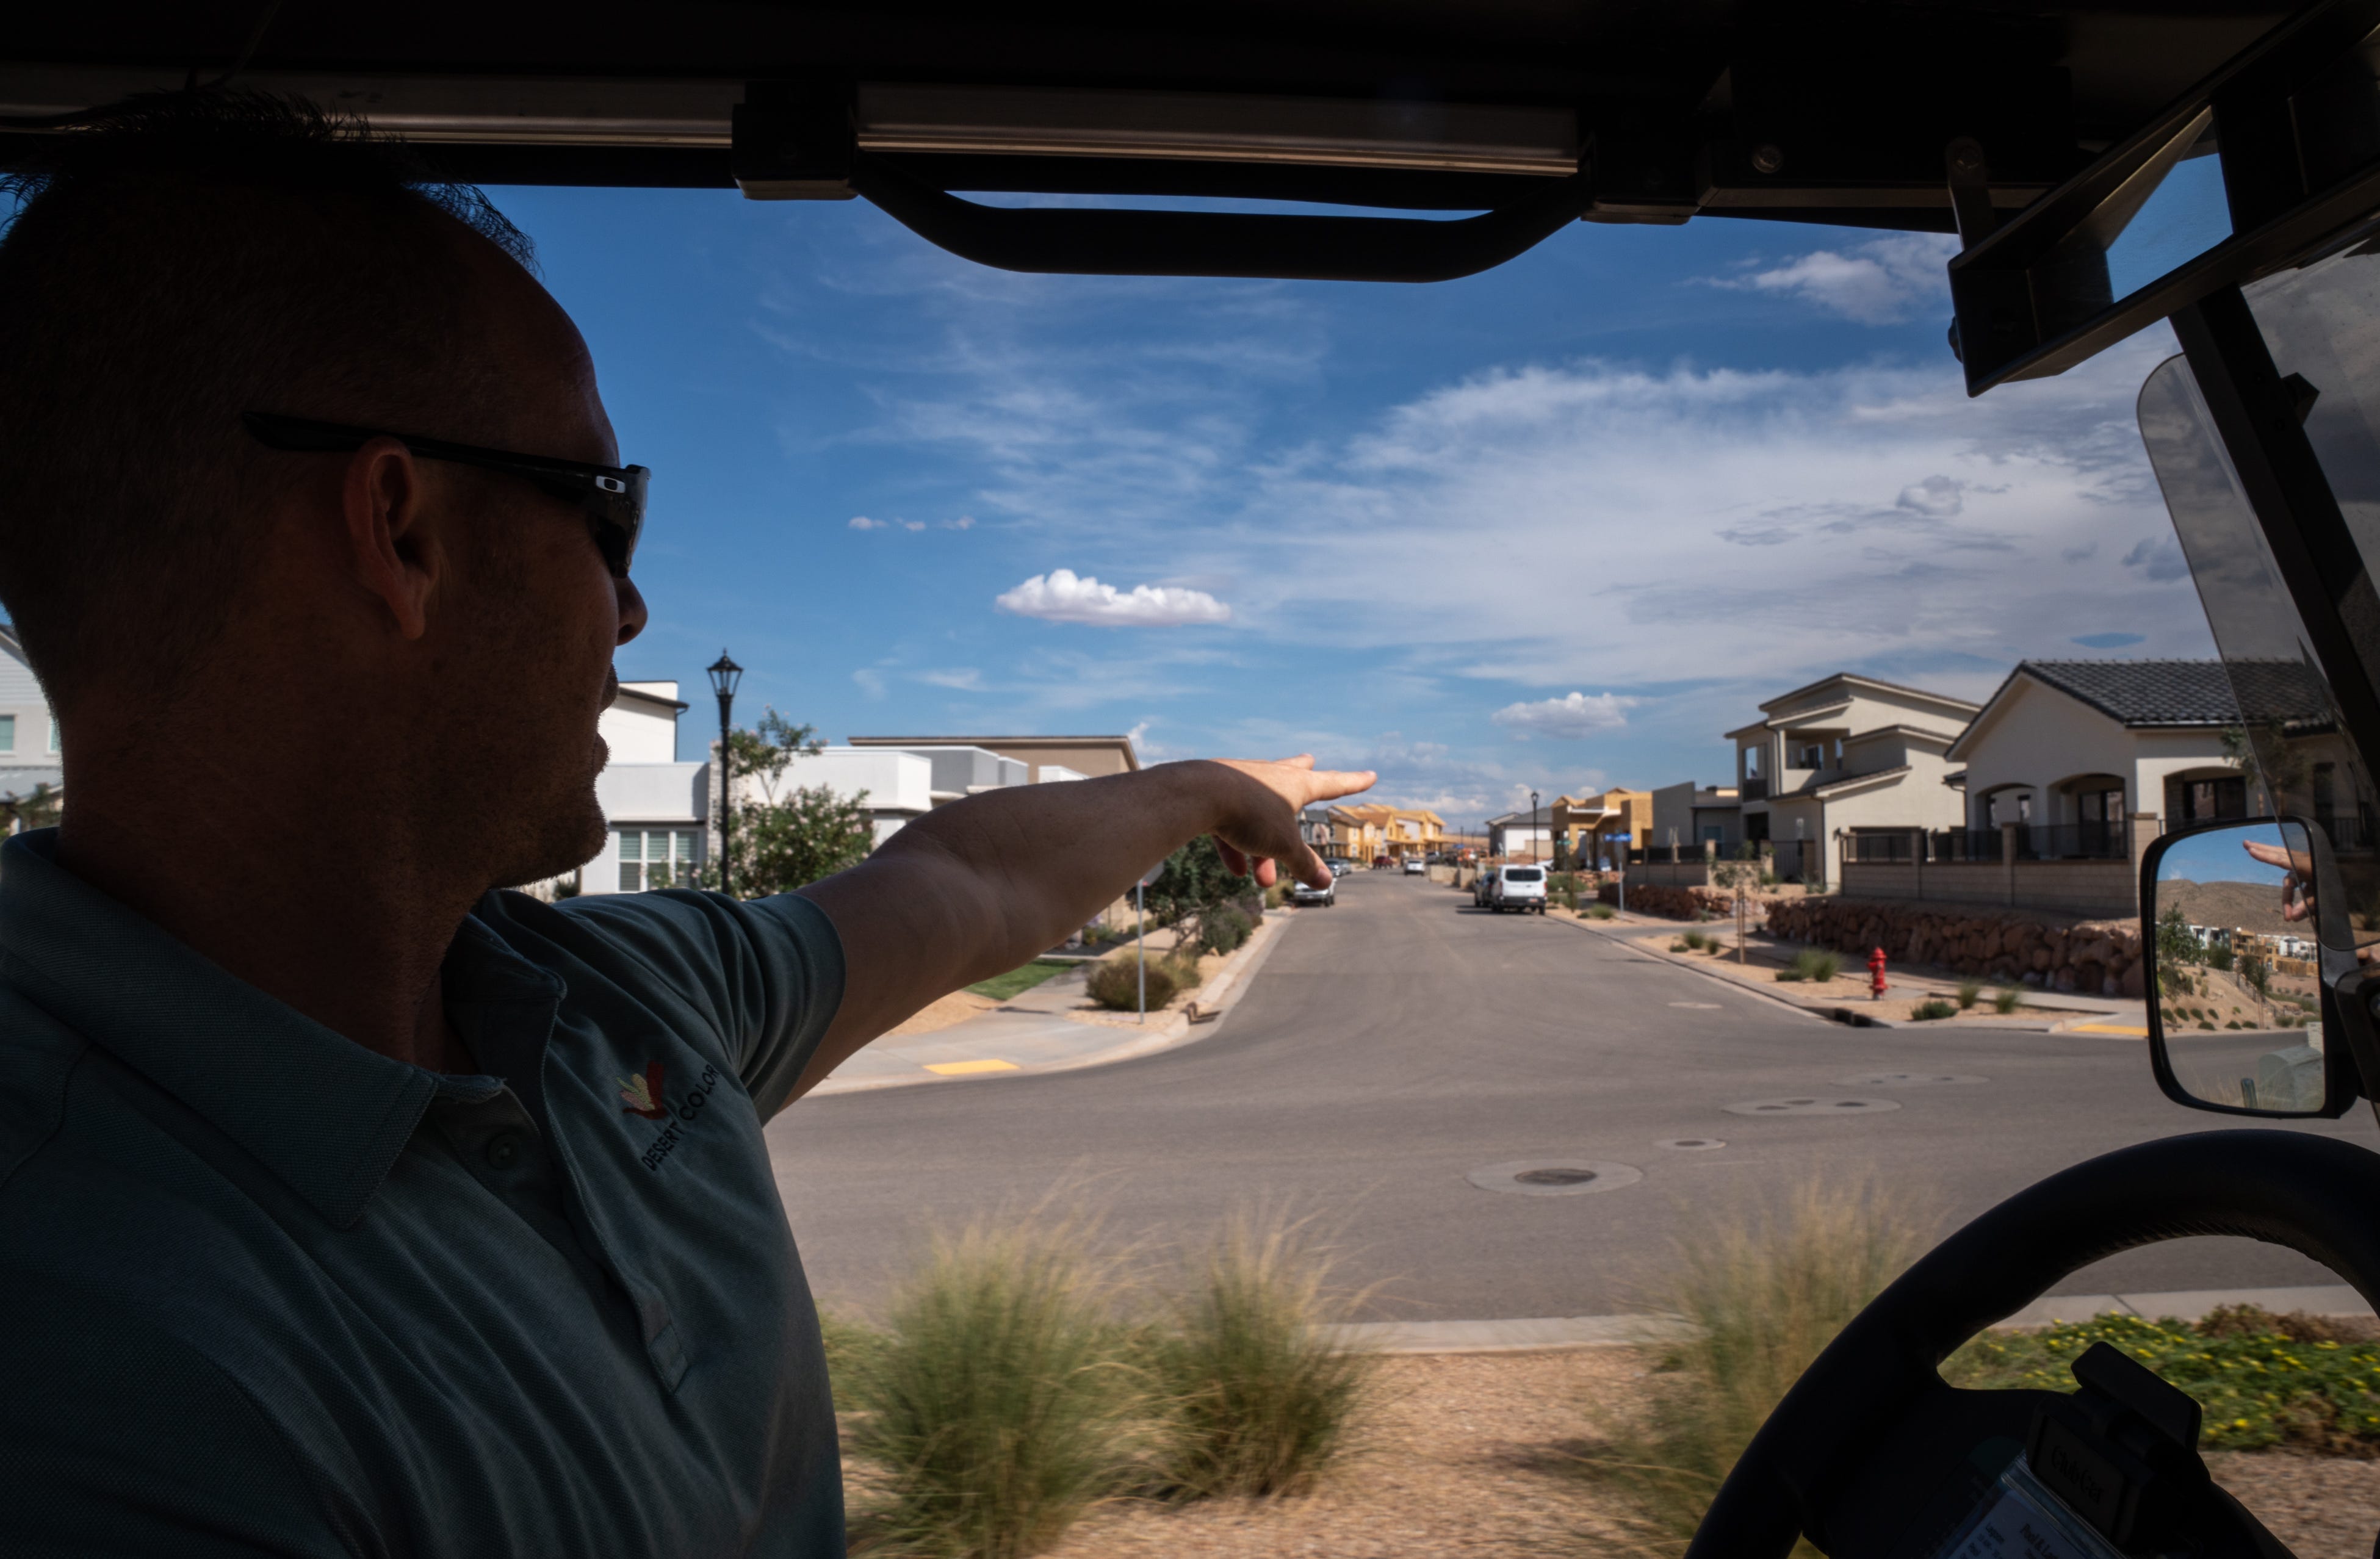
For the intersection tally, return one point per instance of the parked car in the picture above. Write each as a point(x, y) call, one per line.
point(1339, 865)
point(1518, 887)
point(1415, 866)
point(1299, 893)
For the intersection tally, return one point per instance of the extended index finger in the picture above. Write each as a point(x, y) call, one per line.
point(1330, 784)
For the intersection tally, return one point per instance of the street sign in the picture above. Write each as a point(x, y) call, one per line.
point(1620, 838)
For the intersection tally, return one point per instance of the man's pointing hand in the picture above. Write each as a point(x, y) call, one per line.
point(1261, 812)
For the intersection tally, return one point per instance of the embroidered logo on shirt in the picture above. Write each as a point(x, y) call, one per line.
point(687, 1111)
point(643, 1094)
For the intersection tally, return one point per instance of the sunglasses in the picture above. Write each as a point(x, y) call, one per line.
point(613, 496)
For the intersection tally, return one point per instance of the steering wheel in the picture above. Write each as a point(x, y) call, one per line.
point(1870, 1429)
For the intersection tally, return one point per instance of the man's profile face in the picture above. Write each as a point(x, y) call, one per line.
point(537, 613)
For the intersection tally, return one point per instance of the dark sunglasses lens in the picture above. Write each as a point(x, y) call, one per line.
point(617, 517)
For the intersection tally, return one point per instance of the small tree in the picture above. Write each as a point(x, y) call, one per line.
point(38, 809)
point(1736, 877)
point(1195, 885)
point(785, 842)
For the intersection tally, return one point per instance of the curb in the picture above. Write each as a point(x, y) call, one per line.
point(1564, 1334)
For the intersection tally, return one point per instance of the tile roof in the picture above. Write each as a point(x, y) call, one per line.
point(2184, 693)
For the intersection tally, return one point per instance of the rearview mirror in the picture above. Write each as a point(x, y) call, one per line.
point(2230, 917)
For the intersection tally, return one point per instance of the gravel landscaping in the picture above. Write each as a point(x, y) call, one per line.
point(1473, 1456)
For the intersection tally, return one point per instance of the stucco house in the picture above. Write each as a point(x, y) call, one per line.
point(1523, 835)
point(1687, 816)
point(1843, 754)
point(1045, 758)
point(2072, 748)
point(1601, 829)
point(29, 732)
point(657, 806)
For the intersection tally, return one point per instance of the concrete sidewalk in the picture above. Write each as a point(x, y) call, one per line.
point(1032, 1034)
point(1561, 1333)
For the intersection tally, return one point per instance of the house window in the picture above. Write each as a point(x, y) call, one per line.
point(2101, 806)
point(53, 734)
point(1714, 833)
point(1813, 756)
point(7, 734)
point(656, 858)
point(1752, 763)
point(2203, 801)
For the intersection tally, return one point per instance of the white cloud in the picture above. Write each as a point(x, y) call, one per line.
point(861, 521)
point(870, 682)
point(964, 522)
point(1938, 497)
point(1879, 283)
point(1566, 718)
point(1061, 596)
point(968, 679)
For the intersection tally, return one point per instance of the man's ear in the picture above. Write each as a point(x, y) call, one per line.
point(393, 544)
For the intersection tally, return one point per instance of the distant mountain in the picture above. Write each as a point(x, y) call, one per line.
point(2250, 906)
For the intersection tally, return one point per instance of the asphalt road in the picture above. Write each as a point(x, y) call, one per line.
point(1392, 1045)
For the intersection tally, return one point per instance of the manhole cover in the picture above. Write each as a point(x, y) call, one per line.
point(1691, 1144)
point(1555, 1177)
point(1810, 1104)
point(1906, 1080)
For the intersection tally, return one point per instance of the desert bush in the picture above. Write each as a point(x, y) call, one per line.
point(1276, 896)
point(1762, 1298)
point(996, 1403)
point(1221, 930)
point(1600, 911)
point(1256, 1396)
point(1114, 984)
point(1812, 964)
point(1182, 968)
point(2008, 999)
point(1970, 992)
point(1929, 1012)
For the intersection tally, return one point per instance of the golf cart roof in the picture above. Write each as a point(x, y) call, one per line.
point(1940, 117)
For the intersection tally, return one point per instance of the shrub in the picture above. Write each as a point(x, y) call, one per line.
point(1970, 992)
point(1182, 968)
point(1678, 947)
point(2263, 1379)
point(2008, 999)
point(1812, 964)
point(1221, 930)
point(1762, 1300)
point(1929, 1012)
point(996, 1403)
point(1115, 984)
point(1257, 1397)
point(1600, 911)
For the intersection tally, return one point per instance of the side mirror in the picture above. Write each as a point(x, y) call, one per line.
point(2247, 952)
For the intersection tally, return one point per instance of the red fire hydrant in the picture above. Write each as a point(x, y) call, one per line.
point(1876, 973)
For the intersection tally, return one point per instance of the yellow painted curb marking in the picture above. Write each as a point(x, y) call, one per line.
point(2107, 1028)
point(968, 1068)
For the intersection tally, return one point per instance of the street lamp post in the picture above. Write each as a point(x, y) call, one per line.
point(725, 675)
point(1535, 835)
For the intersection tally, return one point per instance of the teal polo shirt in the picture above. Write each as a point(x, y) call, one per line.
point(264, 1291)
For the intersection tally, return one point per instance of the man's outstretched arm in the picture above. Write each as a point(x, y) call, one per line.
point(978, 887)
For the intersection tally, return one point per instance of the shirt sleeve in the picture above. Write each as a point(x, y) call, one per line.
point(767, 971)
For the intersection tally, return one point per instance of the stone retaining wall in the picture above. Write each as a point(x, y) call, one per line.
point(1670, 903)
point(2096, 958)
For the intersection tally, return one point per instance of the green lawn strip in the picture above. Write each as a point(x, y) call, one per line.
point(2263, 1380)
point(1024, 977)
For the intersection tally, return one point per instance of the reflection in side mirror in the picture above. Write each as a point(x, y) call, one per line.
point(2235, 979)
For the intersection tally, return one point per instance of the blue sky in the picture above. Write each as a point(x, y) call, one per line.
point(1555, 526)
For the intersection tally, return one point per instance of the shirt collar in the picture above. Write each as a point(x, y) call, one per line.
point(325, 1114)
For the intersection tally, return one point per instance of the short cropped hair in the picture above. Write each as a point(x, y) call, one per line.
point(187, 258)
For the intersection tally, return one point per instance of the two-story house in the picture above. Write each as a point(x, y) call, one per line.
point(1842, 753)
point(1598, 830)
point(657, 807)
point(30, 760)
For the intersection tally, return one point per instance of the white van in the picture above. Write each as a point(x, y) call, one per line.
point(1518, 887)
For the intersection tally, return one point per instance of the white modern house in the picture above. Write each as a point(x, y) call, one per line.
point(2075, 747)
point(28, 733)
point(657, 807)
point(1845, 754)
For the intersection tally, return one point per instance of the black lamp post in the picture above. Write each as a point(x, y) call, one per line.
point(725, 675)
point(1535, 834)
